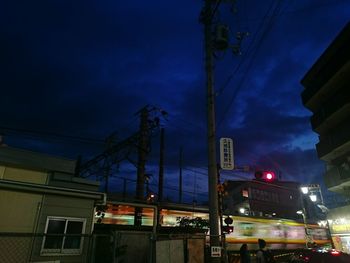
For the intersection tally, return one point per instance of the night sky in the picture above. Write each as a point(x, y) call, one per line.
point(74, 72)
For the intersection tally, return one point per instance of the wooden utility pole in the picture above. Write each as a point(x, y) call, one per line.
point(161, 166)
point(180, 176)
point(141, 163)
point(207, 15)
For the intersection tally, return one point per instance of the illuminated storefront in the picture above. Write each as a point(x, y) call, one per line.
point(340, 228)
point(339, 223)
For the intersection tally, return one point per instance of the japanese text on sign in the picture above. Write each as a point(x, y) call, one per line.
point(226, 154)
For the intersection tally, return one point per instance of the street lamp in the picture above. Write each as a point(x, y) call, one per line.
point(304, 189)
point(300, 212)
point(313, 197)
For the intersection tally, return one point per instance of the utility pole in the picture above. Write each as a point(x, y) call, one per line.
point(207, 14)
point(161, 166)
point(141, 162)
point(107, 164)
point(180, 176)
point(124, 189)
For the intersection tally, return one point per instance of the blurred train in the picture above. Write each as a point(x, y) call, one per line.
point(278, 233)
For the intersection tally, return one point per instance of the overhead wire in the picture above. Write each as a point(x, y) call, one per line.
point(155, 185)
point(242, 60)
point(250, 63)
point(37, 133)
point(308, 8)
point(31, 133)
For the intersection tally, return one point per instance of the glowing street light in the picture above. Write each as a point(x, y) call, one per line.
point(300, 212)
point(313, 197)
point(304, 189)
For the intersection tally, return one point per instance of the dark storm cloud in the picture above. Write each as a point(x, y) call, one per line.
point(294, 165)
point(84, 68)
point(70, 55)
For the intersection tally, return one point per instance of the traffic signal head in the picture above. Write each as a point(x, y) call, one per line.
point(227, 229)
point(267, 176)
point(228, 220)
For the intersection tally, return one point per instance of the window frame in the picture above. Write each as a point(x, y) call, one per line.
point(62, 250)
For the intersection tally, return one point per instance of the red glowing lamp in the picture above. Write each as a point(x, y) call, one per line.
point(268, 176)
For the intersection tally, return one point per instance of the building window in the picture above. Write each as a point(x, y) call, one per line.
point(63, 236)
point(245, 193)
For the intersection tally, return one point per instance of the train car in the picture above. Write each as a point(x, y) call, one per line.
point(278, 233)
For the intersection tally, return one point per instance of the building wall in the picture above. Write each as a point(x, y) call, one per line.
point(339, 222)
point(29, 193)
point(19, 209)
point(23, 175)
point(65, 207)
point(62, 206)
point(263, 199)
point(327, 96)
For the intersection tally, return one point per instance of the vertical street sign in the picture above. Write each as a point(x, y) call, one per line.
point(226, 154)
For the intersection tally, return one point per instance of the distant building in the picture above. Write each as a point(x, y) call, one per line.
point(256, 198)
point(327, 95)
point(39, 196)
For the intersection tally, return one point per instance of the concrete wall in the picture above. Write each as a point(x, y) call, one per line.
point(195, 249)
point(170, 251)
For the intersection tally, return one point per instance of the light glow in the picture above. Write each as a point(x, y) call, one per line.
point(304, 190)
point(269, 176)
point(335, 252)
point(313, 198)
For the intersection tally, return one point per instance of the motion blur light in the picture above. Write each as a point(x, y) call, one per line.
point(335, 252)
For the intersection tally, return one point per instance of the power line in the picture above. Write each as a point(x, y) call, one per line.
point(39, 133)
point(195, 171)
point(221, 90)
point(304, 9)
point(250, 63)
point(156, 185)
point(50, 134)
point(188, 123)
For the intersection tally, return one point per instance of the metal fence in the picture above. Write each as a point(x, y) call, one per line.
point(28, 247)
point(114, 247)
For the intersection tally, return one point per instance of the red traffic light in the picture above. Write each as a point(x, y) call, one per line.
point(267, 176)
point(227, 229)
point(270, 176)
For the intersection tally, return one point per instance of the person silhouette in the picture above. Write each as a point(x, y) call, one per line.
point(244, 254)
